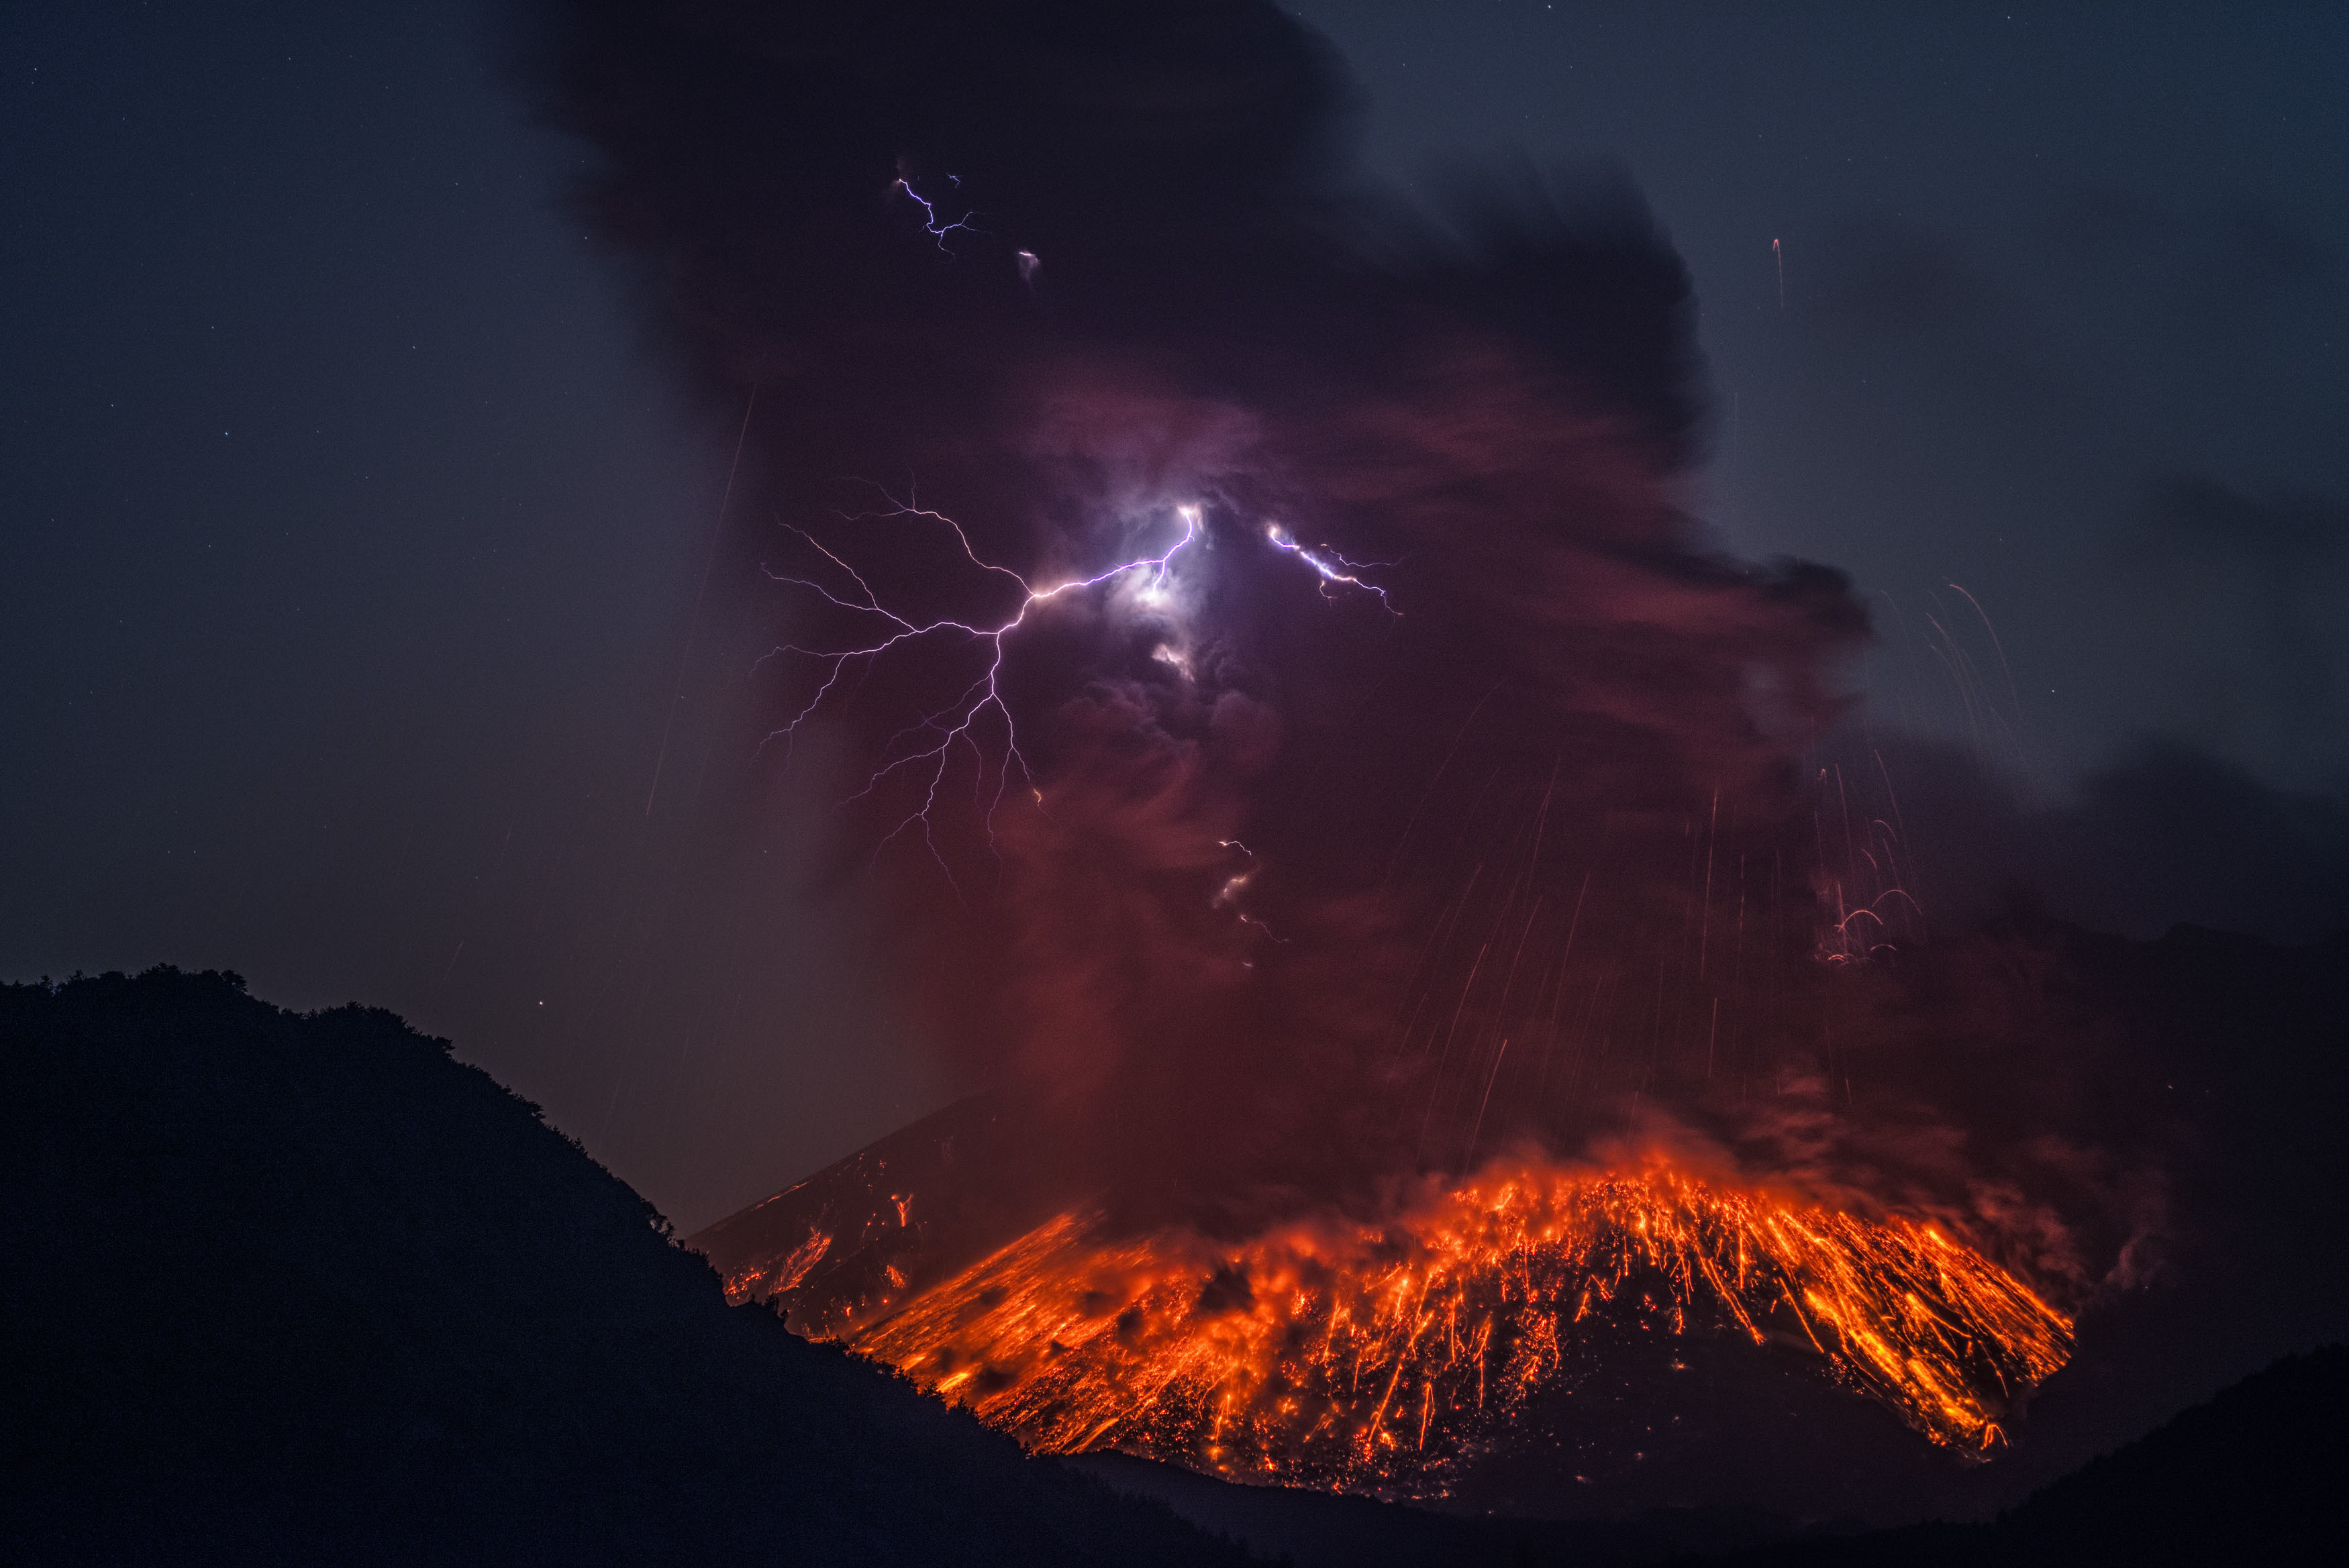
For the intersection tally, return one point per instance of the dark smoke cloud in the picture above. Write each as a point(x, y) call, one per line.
point(2162, 835)
point(1312, 883)
point(2258, 588)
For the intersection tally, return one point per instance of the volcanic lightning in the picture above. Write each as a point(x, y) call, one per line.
point(930, 224)
point(1334, 571)
point(956, 723)
point(982, 695)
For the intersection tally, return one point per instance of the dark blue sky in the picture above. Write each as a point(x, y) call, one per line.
point(352, 547)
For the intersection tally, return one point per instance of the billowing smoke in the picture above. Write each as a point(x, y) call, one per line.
point(1434, 785)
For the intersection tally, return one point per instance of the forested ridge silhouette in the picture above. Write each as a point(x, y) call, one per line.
point(303, 1288)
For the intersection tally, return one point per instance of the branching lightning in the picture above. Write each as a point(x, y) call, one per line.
point(1334, 570)
point(935, 734)
point(956, 723)
point(930, 223)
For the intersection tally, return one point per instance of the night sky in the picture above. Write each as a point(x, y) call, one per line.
point(359, 609)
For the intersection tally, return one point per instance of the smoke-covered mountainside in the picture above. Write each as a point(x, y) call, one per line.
point(279, 1288)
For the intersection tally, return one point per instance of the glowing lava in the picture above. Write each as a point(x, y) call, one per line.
point(1371, 1356)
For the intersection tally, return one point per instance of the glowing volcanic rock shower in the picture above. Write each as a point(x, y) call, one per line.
point(1325, 786)
point(1379, 1357)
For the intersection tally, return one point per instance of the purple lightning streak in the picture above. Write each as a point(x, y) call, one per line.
point(1335, 569)
point(956, 723)
point(936, 734)
point(1228, 895)
point(930, 223)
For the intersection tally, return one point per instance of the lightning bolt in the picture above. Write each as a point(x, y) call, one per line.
point(956, 723)
point(1228, 895)
point(1334, 570)
point(934, 737)
point(930, 223)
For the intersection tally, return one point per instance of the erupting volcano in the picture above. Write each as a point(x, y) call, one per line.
point(1319, 780)
point(1379, 1358)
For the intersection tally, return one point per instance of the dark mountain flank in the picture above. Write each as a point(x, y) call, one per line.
point(2251, 1477)
point(279, 1288)
point(2254, 1476)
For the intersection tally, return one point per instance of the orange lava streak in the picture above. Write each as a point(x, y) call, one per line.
point(1344, 1354)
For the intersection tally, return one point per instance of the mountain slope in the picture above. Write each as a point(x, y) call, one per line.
point(2253, 1476)
point(278, 1288)
point(2249, 1477)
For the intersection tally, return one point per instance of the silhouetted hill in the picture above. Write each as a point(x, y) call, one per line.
point(2253, 1476)
point(1328, 1530)
point(278, 1287)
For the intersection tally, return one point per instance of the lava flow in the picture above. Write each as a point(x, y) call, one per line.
point(1376, 1357)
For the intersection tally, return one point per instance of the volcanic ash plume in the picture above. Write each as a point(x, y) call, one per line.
point(1330, 790)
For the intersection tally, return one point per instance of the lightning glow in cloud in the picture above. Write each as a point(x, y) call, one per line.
point(956, 723)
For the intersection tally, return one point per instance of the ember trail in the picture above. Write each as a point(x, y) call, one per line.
point(1371, 1357)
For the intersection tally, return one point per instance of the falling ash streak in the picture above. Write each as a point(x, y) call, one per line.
point(2013, 696)
point(1403, 842)
point(1491, 1079)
